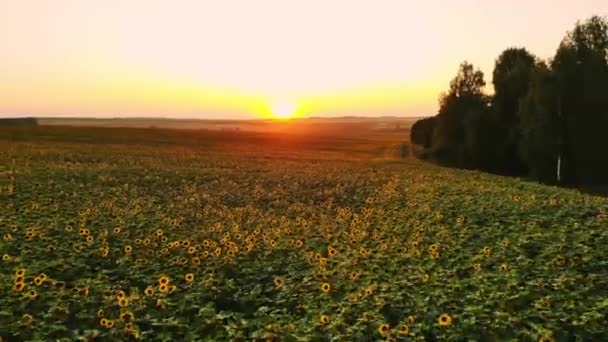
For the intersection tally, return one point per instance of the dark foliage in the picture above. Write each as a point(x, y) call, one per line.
point(540, 113)
point(422, 132)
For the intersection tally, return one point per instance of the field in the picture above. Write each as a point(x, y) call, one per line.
point(311, 232)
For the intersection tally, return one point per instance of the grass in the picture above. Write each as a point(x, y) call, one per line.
point(287, 235)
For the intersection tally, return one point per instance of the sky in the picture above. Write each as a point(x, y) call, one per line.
point(239, 59)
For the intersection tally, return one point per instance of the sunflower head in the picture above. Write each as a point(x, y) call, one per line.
point(279, 282)
point(325, 287)
point(18, 287)
point(383, 329)
point(444, 320)
point(163, 280)
point(324, 319)
point(123, 302)
point(189, 277)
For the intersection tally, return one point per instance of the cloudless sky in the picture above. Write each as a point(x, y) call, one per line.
point(233, 59)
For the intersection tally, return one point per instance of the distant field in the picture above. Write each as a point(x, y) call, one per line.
point(302, 231)
point(248, 125)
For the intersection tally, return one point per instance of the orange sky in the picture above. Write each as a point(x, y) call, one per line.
point(235, 59)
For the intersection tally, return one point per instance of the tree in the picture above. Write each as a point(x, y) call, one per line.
point(581, 70)
point(464, 97)
point(539, 145)
point(422, 132)
point(511, 78)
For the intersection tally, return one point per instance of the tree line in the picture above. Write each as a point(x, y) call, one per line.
point(547, 120)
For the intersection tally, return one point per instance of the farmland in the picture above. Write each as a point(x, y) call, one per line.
point(289, 234)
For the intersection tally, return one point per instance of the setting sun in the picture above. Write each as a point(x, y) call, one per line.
point(283, 110)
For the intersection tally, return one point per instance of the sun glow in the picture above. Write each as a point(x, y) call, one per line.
point(283, 110)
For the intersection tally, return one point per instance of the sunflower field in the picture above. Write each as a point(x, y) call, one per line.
point(124, 234)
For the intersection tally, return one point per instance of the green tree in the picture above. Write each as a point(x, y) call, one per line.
point(464, 97)
point(421, 132)
point(510, 78)
point(581, 70)
point(539, 145)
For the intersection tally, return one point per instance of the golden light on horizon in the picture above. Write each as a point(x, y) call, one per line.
point(283, 110)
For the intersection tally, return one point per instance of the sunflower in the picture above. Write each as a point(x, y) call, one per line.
point(83, 291)
point(123, 302)
point(149, 291)
point(332, 252)
point(191, 250)
point(20, 272)
point(486, 251)
point(120, 295)
point(355, 297)
point(26, 319)
point(324, 319)
point(103, 322)
point(279, 282)
point(383, 329)
point(7, 237)
point(109, 323)
point(546, 339)
point(323, 261)
point(434, 254)
point(325, 287)
point(411, 320)
point(18, 287)
point(444, 320)
point(369, 291)
point(116, 230)
point(404, 330)
point(299, 243)
point(100, 313)
point(128, 249)
point(425, 278)
point(354, 276)
point(6, 257)
point(32, 294)
point(90, 238)
point(196, 261)
point(504, 243)
point(189, 277)
point(172, 289)
point(433, 247)
point(164, 280)
point(504, 268)
point(127, 316)
point(129, 327)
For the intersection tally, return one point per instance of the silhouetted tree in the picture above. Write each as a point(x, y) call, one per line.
point(464, 97)
point(581, 70)
point(540, 125)
point(421, 132)
point(511, 78)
